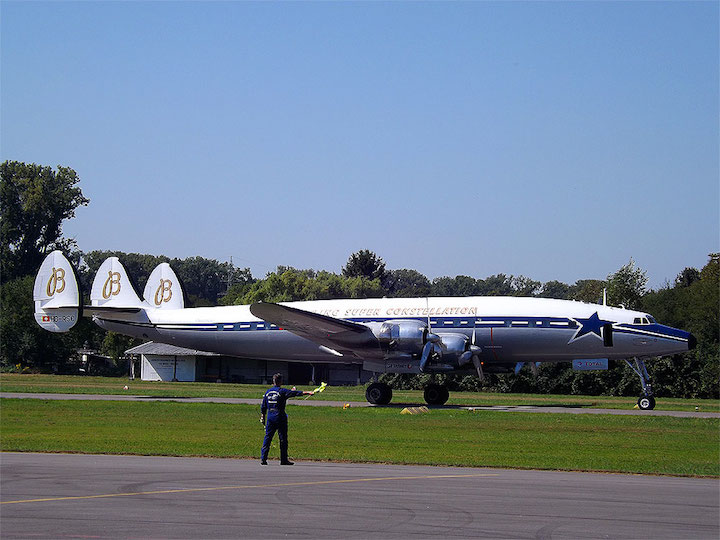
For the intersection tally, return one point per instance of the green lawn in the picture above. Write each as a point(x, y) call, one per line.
point(113, 385)
point(645, 444)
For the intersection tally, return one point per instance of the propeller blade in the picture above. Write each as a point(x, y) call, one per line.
point(427, 306)
point(478, 367)
point(465, 357)
point(534, 366)
point(474, 327)
point(427, 349)
point(518, 367)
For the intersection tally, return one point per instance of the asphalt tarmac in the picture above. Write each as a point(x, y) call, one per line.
point(100, 496)
point(315, 402)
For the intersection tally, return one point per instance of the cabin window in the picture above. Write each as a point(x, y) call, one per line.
point(637, 320)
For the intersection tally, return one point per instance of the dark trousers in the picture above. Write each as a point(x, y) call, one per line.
point(275, 423)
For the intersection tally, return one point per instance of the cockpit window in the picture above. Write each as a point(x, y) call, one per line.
point(652, 321)
point(637, 320)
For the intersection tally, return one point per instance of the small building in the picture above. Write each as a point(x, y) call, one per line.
point(163, 362)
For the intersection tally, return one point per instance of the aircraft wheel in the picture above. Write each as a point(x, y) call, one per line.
point(646, 403)
point(436, 394)
point(378, 394)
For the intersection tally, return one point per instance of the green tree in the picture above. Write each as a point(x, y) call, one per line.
point(206, 280)
point(34, 202)
point(295, 285)
point(364, 263)
point(497, 285)
point(687, 277)
point(524, 286)
point(695, 308)
point(23, 342)
point(405, 283)
point(588, 290)
point(555, 289)
point(627, 286)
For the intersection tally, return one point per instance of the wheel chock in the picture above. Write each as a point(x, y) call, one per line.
point(415, 410)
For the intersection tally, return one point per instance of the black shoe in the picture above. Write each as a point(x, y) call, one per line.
point(287, 463)
point(263, 462)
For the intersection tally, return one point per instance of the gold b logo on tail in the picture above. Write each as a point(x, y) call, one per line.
point(109, 287)
point(56, 283)
point(164, 292)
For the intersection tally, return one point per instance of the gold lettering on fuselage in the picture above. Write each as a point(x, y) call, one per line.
point(109, 286)
point(160, 294)
point(399, 312)
point(56, 283)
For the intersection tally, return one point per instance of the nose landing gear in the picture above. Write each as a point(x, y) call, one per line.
point(646, 402)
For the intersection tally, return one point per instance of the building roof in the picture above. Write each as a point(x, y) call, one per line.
point(166, 350)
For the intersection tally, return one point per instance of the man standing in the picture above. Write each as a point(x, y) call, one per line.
point(273, 405)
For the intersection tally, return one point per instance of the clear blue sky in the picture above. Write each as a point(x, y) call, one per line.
point(553, 140)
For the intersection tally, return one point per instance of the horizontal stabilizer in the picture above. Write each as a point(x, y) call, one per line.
point(99, 310)
point(56, 294)
point(112, 288)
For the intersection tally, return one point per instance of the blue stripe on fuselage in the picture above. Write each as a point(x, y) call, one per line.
point(448, 323)
point(437, 323)
point(656, 330)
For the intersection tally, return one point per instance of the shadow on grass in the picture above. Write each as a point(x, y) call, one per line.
point(157, 398)
point(491, 407)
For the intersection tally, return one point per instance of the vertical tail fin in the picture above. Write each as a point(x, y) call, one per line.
point(163, 289)
point(56, 294)
point(111, 287)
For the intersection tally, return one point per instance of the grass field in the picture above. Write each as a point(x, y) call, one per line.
point(109, 385)
point(656, 445)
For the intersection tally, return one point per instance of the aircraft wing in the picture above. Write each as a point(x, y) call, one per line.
point(343, 337)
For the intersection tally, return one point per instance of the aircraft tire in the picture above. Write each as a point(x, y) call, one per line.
point(436, 394)
point(646, 403)
point(378, 394)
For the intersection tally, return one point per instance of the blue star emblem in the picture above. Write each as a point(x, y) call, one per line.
point(591, 325)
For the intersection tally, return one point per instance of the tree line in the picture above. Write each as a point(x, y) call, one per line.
point(36, 200)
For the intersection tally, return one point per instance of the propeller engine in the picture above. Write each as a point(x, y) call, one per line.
point(439, 353)
point(402, 337)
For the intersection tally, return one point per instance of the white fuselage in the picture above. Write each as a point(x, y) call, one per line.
point(507, 329)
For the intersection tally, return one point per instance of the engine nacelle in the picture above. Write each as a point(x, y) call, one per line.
point(401, 336)
point(453, 345)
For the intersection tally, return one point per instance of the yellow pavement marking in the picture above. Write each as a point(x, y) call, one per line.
point(219, 488)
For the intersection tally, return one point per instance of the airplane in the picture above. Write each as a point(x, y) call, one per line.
point(451, 335)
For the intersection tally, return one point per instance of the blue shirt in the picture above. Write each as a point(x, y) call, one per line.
point(275, 398)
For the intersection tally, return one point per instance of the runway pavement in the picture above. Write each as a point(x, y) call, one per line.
point(100, 496)
point(318, 403)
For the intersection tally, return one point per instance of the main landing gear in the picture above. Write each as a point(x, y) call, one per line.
point(646, 402)
point(436, 394)
point(380, 394)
